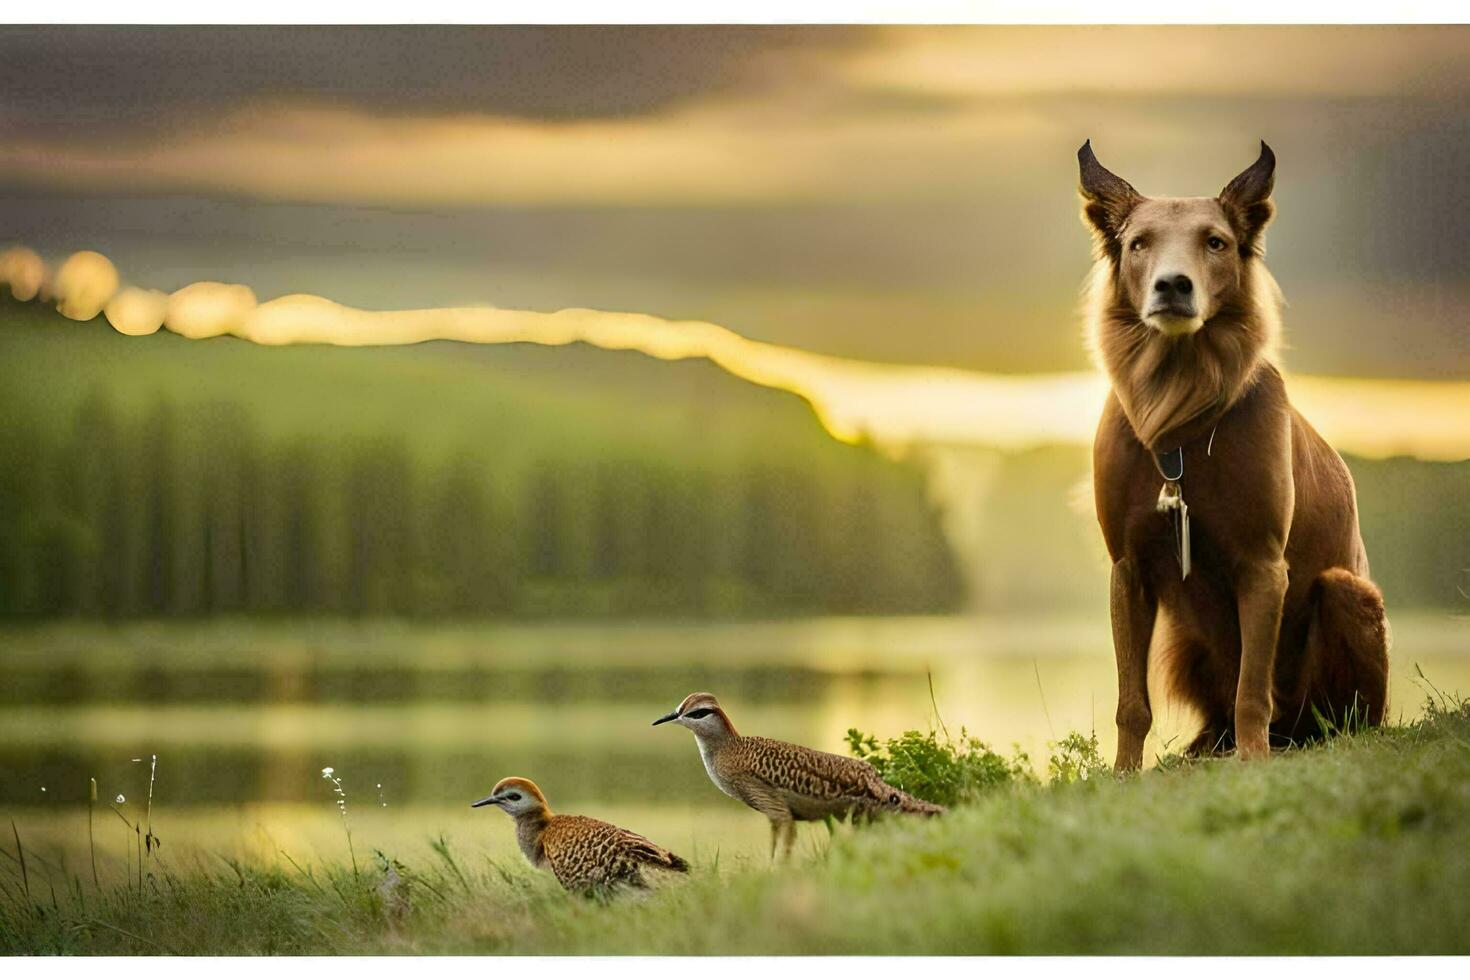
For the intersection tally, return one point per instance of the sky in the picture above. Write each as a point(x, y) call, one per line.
point(894, 194)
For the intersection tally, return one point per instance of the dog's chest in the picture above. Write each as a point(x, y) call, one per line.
point(1183, 525)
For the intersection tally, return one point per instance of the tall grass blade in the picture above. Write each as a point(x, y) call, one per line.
point(25, 878)
point(91, 837)
point(441, 848)
point(1036, 668)
point(96, 923)
point(934, 703)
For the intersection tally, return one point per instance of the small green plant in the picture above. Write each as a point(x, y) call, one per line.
point(137, 829)
point(1075, 758)
point(1440, 707)
point(938, 768)
point(150, 839)
point(91, 837)
point(330, 775)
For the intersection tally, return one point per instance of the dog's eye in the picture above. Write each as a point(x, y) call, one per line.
point(893, 799)
point(1215, 243)
point(1138, 245)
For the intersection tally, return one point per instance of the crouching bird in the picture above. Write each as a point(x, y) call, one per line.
point(786, 782)
point(584, 854)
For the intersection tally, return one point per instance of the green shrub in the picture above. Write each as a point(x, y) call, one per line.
point(1076, 758)
point(938, 768)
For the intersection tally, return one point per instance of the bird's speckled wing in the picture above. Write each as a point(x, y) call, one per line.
point(816, 782)
point(586, 853)
point(809, 772)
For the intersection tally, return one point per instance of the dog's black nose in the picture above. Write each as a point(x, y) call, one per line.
point(1174, 285)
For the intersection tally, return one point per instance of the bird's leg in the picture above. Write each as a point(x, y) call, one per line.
point(788, 839)
point(775, 835)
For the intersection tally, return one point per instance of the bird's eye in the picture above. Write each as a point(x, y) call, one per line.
point(893, 799)
point(700, 713)
point(513, 796)
point(1138, 245)
point(1215, 243)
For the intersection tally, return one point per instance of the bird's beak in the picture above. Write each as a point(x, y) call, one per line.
point(668, 717)
point(487, 800)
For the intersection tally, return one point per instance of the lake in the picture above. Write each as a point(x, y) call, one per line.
point(418, 720)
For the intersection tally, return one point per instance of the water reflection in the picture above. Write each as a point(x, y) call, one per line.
point(249, 715)
point(71, 684)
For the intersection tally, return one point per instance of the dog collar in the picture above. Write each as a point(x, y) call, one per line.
point(1170, 463)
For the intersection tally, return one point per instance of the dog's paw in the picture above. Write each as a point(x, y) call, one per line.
point(1254, 748)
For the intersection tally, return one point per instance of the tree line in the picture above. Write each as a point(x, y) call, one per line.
point(179, 512)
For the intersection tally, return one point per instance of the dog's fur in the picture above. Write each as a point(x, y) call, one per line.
point(1277, 623)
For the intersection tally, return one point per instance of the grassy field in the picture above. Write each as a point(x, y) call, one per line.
point(1360, 845)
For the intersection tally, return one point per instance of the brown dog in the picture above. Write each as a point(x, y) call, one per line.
point(1228, 519)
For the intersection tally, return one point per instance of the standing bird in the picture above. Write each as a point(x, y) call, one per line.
point(786, 782)
point(584, 854)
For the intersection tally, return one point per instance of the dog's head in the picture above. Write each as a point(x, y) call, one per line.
point(1177, 261)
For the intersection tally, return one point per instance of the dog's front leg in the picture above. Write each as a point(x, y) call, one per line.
point(1133, 611)
point(1261, 587)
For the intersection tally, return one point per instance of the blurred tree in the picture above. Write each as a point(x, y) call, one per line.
point(298, 482)
point(544, 520)
point(158, 436)
point(379, 497)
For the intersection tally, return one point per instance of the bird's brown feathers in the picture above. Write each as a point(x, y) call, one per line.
point(586, 853)
point(810, 783)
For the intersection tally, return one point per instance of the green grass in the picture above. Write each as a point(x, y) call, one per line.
point(1359, 845)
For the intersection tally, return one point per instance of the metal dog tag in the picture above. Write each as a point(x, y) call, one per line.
point(1171, 499)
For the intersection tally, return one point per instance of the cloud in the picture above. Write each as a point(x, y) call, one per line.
point(22, 269)
point(1160, 62)
point(208, 309)
point(112, 82)
point(84, 284)
point(137, 312)
point(975, 135)
point(900, 114)
point(724, 154)
point(145, 82)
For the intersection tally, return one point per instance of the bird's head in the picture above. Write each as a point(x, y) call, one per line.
point(702, 715)
point(516, 796)
point(897, 801)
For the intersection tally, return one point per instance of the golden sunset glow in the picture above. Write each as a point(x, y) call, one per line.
point(892, 405)
point(1236, 60)
point(895, 406)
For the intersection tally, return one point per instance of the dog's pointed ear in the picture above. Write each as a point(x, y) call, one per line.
point(1247, 200)
point(1107, 199)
